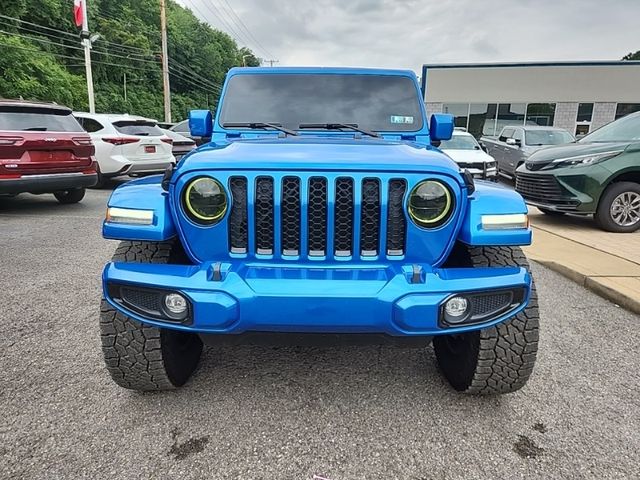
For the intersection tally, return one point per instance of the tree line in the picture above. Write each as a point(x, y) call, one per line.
point(41, 57)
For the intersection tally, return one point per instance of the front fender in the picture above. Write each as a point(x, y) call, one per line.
point(492, 199)
point(141, 194)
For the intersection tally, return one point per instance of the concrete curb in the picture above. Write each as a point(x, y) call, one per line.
point(592, 283)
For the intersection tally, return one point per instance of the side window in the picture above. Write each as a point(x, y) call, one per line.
point(181, 127)
point(506, 133)
point(518, 136)
point(91, 125)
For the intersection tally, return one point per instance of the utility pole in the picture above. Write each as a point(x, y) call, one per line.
point(165, 63)
point(271, 62)
point(86, 43)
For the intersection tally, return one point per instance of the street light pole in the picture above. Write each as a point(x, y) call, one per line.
point(165, 63)
point(86, 43)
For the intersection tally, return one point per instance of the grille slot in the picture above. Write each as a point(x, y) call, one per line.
point(264, 215)
point(539, 187)
point(370, 218)
point(290, 216)
point(343, 233)
point(396, 220)
point(253, 223)
point(317, 208)
point(238, 224)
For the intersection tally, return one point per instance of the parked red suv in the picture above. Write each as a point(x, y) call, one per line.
point(43, 149)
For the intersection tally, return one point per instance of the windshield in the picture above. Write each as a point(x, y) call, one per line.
point(38, 120)
point(547, 137)
point(626, 129)
point(372, 102)
point(460, 142)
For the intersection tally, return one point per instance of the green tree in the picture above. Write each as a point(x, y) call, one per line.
point(49, 65)
point(632, 56)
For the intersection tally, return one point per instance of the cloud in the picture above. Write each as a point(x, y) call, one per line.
point(408, 33)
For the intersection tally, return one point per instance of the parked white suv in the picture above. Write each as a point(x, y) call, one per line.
point(465, 150)
point(127, 144)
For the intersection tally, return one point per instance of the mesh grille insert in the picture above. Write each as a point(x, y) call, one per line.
point(317, 214)
point(343, 234)
point(290, 213)
point(370, 218)
point(264, 215)
point(238, 224)
point(396, 220)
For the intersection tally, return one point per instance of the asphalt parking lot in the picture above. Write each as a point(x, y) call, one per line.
point(291, 413)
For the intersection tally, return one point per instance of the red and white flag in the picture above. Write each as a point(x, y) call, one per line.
point(77, 12)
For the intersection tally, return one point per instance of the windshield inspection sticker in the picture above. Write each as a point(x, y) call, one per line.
point(401, 119)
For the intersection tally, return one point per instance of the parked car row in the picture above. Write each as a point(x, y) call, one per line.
point(47, 148)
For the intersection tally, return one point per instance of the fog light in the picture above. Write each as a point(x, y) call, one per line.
point(176, 304)
point(456, 309)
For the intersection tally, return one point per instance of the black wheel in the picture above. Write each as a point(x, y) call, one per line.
point(142, 357)
point(551, 213)
point(498, 359)
point(70, 196)
point(619, 208)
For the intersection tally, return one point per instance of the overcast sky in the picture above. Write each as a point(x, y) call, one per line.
point(408, 33)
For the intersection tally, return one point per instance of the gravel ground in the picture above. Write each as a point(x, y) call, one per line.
point(291, 413)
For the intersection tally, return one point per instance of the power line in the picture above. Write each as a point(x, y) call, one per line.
point(75, 35)
point(192, 80)
point(190, 72)
point(244, 26)
point(204, 18)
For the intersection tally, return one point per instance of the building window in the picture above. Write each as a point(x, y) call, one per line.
point(626, 108)
point(510, 114)
point(585, 112)
point(541, 114)
point(460, 112)
point(489, 123)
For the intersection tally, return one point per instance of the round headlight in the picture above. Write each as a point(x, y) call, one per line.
point(205, 200)
point(430, 204)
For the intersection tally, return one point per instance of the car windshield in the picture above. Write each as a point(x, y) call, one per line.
point(460, 142)
point(372, 102)
point(547, 137)
point(139, 128)
point(14, 118)
point(625, 129)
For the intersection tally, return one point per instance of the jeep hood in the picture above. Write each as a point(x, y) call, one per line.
point(547, 155)
point(319, 154)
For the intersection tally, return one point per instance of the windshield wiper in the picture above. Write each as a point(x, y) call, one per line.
point(275, 126)
point(339, 126)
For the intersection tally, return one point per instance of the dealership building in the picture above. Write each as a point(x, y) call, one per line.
point(576, 96)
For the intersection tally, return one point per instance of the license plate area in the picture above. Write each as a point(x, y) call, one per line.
point(149, 149)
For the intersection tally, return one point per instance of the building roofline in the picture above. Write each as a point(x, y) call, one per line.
point(577, 63)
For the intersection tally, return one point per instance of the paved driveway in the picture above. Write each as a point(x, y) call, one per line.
point(290, 413)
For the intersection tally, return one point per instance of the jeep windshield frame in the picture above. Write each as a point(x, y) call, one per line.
point(379, 103)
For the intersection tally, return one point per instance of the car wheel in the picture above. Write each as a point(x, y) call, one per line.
point(551, 213)
point(143, 357)
point(70, 196)
point(619, 208)
point(497, 359)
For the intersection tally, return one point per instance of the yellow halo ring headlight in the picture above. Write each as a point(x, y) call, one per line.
point(430, 204)
point(205, 200)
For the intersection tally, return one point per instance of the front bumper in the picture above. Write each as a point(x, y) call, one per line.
point(569, 189)
point(47, 183)
point(234, 298)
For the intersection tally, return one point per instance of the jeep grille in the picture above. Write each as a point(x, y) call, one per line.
point(333, 226)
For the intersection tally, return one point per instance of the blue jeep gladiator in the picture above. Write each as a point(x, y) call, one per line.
point(320, 210)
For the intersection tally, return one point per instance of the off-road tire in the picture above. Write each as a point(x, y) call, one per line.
point(498, 359)
point(143, 357)
point(70, 196)
point(551, 213)
point(603, 213)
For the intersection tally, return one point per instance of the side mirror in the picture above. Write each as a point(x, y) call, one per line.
point(441, 127)
point(200, 123)
point(512, 141)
